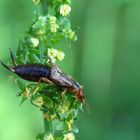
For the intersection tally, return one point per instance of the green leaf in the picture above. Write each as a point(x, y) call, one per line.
point(58, 138)
point(19, 94)
point(42, 53)
point(24, 52)
point(39, 136)
point(36, 58)
point(62, 116)
point(48, 102)
point(20, 84)
point(75, 129)
point(61, 126)
point(40, 22)
point(64, 22)
point(23, 100)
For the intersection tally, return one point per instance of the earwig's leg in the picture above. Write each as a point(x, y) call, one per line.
point(12, 56)
point(63, 93)
point(45, 80)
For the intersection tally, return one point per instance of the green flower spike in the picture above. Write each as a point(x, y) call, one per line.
point(50, 27)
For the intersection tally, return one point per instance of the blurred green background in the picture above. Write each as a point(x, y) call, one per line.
point(105, 60)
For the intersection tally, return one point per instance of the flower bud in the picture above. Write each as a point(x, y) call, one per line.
point(34, 41)
point(69, 136)
point(60, 55)
point(36, 2)
point(54, 27)
point(38, 101)
point(65, 9)
point(48, 137)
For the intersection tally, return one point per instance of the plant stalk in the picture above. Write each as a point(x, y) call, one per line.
point(47, 127)
point(44, 6)
point(47, 124)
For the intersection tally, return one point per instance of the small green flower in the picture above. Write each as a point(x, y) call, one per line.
point(65, 9)
point(60, 55)
point(48, 137)
point(70, 34)
point(69, 136)
point(69, 123)
point(52, 19)
point(54, 54)
point(54, 27)
point(38, 101)
point(34, 41)
point(36, 2)
point(26, 93)
point(49, 117)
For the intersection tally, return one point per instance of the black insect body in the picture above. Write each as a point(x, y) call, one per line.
point(32, 72)
point(47, 74)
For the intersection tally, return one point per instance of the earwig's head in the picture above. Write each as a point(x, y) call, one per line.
point(80, 95)
point(82, 99)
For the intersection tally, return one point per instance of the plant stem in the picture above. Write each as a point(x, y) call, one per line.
point(47, 124)
point(47, 127)
point(44, 6)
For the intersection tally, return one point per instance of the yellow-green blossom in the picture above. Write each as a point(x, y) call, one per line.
point(34, 41)
point(26, 93)
point(65, 9)
point(60, 55)
point(38, 101)
point(70, 34)
point(52, 19)
point(54, 27)
point(36, 1)
point(69, 136)
point(54, 54)
point(69, 123)
point(48, 137)
point(49, 117)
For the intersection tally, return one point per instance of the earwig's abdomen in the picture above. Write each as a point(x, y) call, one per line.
point(32, 72)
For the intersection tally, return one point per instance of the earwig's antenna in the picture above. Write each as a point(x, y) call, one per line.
point(87, 107)
point(13, 59)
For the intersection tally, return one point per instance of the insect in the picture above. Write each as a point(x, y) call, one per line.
point(47, 74)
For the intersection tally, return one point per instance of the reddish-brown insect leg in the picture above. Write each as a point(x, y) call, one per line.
point(80, 96)
point(43, 79)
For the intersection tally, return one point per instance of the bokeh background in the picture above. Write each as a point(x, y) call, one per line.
point(105, 60)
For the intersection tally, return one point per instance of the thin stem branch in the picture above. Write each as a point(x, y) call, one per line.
point(47, 127)
point(47, 124)
point(44, 6)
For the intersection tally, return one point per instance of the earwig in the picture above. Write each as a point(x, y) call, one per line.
point(46, 74)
